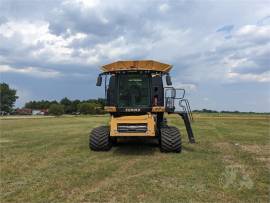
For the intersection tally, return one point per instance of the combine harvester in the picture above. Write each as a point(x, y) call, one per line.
point(137, 99)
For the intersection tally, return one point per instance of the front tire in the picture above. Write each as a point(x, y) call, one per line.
point(170, 139)
point(99, 139)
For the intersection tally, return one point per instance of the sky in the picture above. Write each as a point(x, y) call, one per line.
point(220, 50)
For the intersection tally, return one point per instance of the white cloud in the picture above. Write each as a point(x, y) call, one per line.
point(221, 57)
point(32, 71)
point(51, 47)
point(206, 99)
point(86, 4)
point(186, 86)
point(241, 56)
point(114, 49)
point(248, 58)
point(254, 31)
point(264, 77)
point(164, 7)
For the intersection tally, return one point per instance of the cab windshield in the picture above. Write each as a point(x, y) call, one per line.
point(133, 90)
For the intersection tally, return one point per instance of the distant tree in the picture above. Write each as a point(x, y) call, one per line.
point(208, 111)
point(91, 106)
point(43, 104)
point(7, 97)
point(67, 105)
point(87, 108)
point(29, 105)
point(75, 106)
point(56, 109)
point(102, 102)
point(65, 101)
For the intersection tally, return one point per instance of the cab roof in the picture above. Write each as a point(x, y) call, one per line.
point(145, 65)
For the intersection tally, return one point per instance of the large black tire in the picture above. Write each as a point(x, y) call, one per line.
point(99, 139)
point(170, 139)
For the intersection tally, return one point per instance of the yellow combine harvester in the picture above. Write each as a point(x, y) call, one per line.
point(137, 100)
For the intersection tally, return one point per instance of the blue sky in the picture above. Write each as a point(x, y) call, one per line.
point(220, 50)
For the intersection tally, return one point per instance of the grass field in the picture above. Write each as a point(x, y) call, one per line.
point(48, 160)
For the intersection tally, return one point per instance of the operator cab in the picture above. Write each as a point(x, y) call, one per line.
point(135, 91)
point(137, 86)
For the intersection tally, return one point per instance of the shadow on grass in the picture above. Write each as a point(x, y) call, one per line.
point(136, 146)
point(188, 148)
point(143, 146)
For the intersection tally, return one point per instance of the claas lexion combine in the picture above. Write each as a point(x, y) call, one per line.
point(137, 99)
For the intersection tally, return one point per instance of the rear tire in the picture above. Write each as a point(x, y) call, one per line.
point(170, 139)
point(99, 139)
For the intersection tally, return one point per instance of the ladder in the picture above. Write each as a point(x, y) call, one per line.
point(177, 95)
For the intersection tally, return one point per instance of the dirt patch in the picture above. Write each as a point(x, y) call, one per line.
point(224, 146)
point(228, 156)
point(261, 152)
point(237, 174)
point(234, 117)
point(256, 149)
point(4, 140)
point(231, 161)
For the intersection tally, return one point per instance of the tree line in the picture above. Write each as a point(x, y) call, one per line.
point(8, 97)
point(67, 106)
point(235, 112)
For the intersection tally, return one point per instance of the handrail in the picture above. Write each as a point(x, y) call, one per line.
point(186, 108)
point(174, 92)
point(170, 100)
point(183, 95)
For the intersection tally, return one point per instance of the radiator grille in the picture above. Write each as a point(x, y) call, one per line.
point(131, 128)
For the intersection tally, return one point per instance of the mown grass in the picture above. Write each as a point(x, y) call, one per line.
point(48, 160)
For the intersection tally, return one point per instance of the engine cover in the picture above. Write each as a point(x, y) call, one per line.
point(139, 125)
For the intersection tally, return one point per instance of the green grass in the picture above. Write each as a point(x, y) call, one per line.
point(48, 160)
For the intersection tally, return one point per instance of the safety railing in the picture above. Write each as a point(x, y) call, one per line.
point(177, 94)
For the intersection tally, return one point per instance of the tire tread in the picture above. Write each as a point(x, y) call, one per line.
point(170, 139)
point(99, 139)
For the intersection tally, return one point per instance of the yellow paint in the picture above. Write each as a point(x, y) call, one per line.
point(110, 108)
point(138, 119)
point(158, 109)
point(136, 65)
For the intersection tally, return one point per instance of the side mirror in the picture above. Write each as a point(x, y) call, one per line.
point(99, 81)
point(168, 80)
